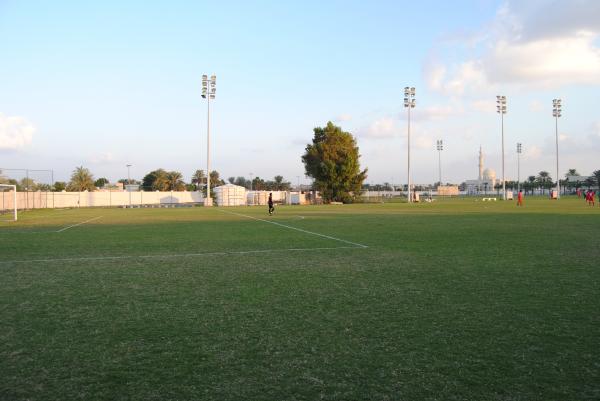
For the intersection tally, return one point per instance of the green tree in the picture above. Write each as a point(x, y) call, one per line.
point(60, 186)
point(215, 180)
point(199, 179)
point(258, 184)
point(280, 185)
point(544, 180)
point(572, 172)
point(100, 182)
point(241, 181)
point(596, 174)
point(156, 181)
point(531, 183)
point(332, 160)
point(175, 181)
point(3, 179)
point(28, 184)
point(81, 180)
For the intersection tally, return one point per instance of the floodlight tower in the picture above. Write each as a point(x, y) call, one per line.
point(209, 90)
point(501, 109)
point(129, 183)
point(440, 147)
point(409, 103)
point(519, 151)
point(556, 113)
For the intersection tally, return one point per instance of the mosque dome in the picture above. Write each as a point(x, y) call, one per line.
point(489, 174)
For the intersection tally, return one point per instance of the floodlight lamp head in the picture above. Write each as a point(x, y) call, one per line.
point(204, 77)
point(213, 78)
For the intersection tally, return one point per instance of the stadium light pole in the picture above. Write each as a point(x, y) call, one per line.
point(519, 150)
point(129, 183)
point(409, 103)
point(209, 90)
point(501, 109)
point(556, 113)
point(440, 147)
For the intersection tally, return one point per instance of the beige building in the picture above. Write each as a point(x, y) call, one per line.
point(486, 180)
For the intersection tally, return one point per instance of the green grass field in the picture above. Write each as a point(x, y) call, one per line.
point(455, 300)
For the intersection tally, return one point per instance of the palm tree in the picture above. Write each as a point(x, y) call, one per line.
point(572, 172)
point(531, 181)
point(175, 181)
point(199, 178)
point(544, 180)
point(597, 175)
point(160, 181)
point(81, 180)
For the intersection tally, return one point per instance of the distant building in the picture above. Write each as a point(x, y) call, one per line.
point(486, 181)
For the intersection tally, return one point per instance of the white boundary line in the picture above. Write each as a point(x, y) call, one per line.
point(78, 224)
point(297, 229)
point(180, 255)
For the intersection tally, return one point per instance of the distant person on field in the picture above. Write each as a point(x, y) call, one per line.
point(271, 207)
point(520, 198)
point(592, 195)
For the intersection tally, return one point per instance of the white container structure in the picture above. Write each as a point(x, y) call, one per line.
point(230, 195)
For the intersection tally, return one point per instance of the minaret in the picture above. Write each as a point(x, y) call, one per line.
point(480, 164)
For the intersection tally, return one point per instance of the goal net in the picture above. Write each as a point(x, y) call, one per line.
point(8, 202)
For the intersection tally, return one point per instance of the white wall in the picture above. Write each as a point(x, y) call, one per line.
point(37, 200)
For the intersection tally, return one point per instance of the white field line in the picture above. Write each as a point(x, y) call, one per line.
point(172, 256)
point(295, 228)
point(78, 224)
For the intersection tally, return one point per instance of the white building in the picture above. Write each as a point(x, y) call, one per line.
point(485, 182)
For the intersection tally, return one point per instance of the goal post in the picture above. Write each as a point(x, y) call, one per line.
point(9, 203)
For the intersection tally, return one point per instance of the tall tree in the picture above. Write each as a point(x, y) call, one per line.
point(156, 181)
point(60, 186)
point(175, 181)
point(258, 184)
point(215, 180)
point(596, 174)
point(81, 180)
point(333, 161)
point(544, 180)
point(100, 182)
point(199, 178)
point(572, 172)
point(242, 182)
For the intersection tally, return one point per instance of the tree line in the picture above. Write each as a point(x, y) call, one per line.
point(157, 180)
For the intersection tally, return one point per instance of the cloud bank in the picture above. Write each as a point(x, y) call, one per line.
point(15, 132)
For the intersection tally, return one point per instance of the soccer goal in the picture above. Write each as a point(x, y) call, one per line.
point(8, 202)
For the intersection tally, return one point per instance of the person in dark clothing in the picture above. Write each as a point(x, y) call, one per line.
point(271, 207)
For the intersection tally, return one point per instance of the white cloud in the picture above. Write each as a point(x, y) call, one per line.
point(546, 62)
point(536, 106)
point(532, 152)
point(15, 132)
point(484, 106)
point(539, 44)
point(423, 142)
point(385, 127)
point(343, 117)
point(102, 158)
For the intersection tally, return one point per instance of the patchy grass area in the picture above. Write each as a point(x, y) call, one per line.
point(452, 300)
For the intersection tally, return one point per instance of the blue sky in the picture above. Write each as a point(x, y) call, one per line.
point(105, 84)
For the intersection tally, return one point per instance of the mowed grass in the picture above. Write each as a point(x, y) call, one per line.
point(458, 299)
